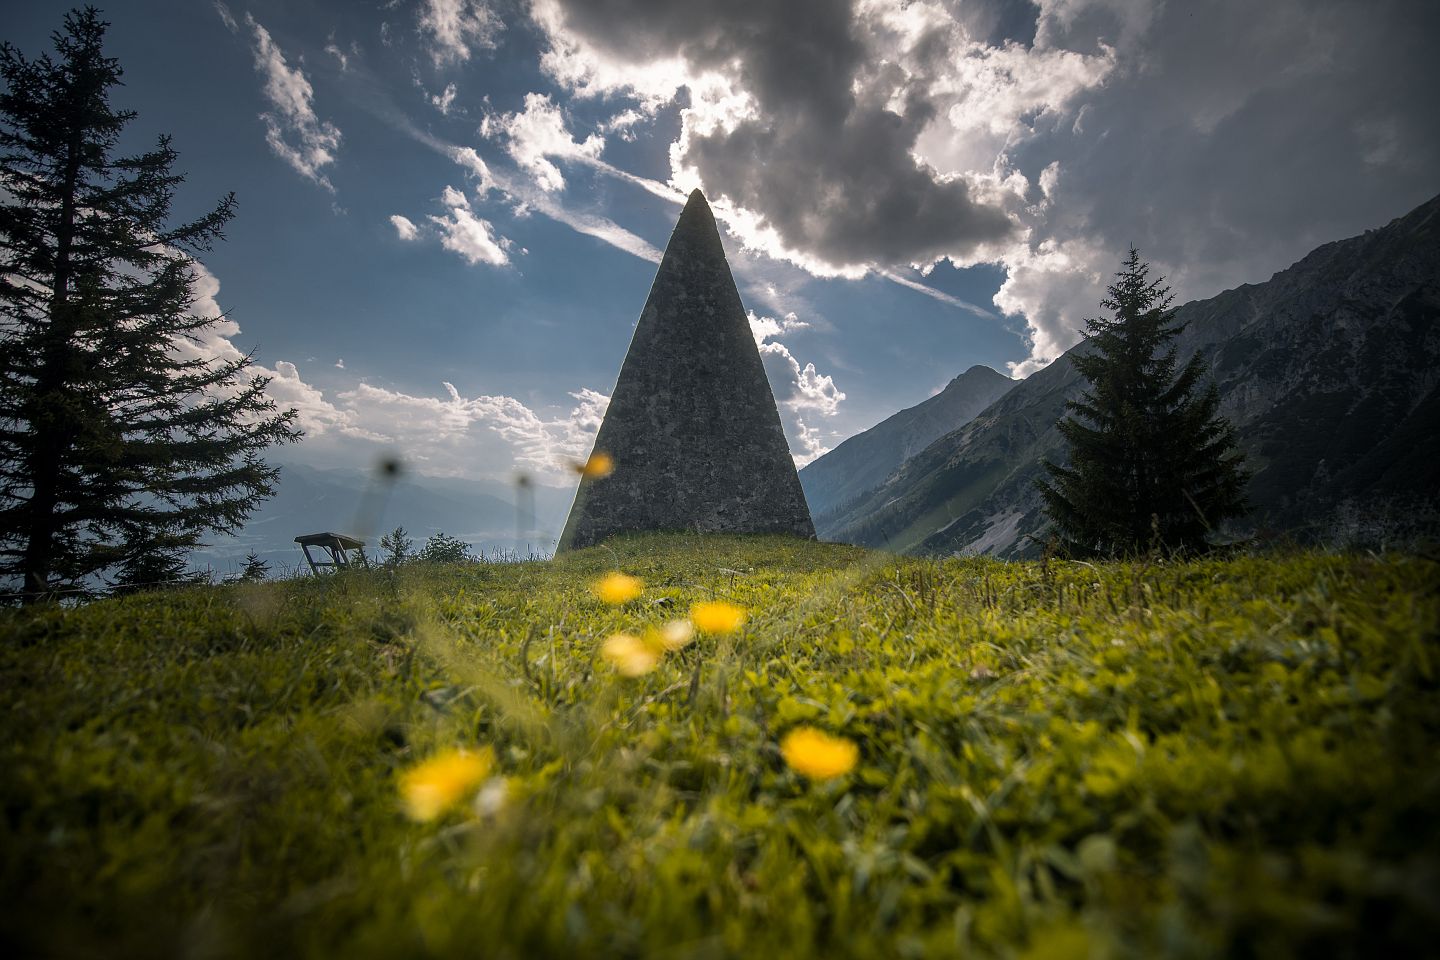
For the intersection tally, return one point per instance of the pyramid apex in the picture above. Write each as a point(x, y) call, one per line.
point(697, 224)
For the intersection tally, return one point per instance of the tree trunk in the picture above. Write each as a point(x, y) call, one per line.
point(52, 433)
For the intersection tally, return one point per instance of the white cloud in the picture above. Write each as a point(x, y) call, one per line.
point(764, 328)
point(623, 124)
point(340, 56)
point(811, 390)
point(444, 100)
point(317, 416)
point(812, 445)
point(595, 226)
point(487, 436)
point(453, 198)
point(403, 227)
point(526, 197)
point(536, 134)
point(896, 277)
point(581, 66)
point(226, 17)
point(799, 389)
point(1052, 286)
point(474, 165)
point(483, 436)
point(292, 129)
point(470, 236)
point(457, 28)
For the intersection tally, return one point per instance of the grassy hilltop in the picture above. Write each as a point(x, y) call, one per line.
point(1225, 757)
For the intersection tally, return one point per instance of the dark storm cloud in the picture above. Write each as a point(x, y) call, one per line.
point(1247, 134)
point(798, 54)
point(1225, 139)
point(824, 158)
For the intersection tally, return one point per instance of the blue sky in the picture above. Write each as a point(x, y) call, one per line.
point(450, 209)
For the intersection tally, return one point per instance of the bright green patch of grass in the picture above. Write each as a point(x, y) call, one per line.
point(1224, 757)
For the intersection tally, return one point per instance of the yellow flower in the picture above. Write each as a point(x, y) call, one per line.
point(598, 466)
point(430, 788)
point(630, 655)
point(817, 755)
point(676, 634)
point(717, 616)
point(617, 588)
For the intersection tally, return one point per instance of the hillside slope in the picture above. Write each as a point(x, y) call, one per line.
point(1177, 760)
point(1329, 371)
point(866, 459)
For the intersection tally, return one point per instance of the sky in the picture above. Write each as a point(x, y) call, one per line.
point(450, 211)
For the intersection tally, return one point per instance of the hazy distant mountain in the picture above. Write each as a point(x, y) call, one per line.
point(481, 513)
point(1328, 370)
point(866, 459)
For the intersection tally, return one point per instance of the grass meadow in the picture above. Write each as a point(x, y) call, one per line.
point(1231, 757)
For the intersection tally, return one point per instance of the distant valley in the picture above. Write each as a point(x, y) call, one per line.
point(309, 500)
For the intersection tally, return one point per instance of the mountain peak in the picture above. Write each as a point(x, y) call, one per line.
point(866, 459)
point(976, 374)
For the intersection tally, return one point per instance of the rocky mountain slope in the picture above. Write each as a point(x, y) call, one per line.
point(1330, 372)
point(866, 459)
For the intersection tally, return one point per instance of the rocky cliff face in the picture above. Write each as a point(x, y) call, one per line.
point(1330, 372)
point(692, 425)
point(866, 459)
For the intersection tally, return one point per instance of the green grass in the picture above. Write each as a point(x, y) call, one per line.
point(1229, 757)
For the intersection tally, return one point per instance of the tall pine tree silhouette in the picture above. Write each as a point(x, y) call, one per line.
point(119, 437)
point(1151, 463)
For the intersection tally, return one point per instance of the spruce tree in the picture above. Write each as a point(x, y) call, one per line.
point(255, 569)
point(119, 438)
point(1151, 462)
point(156, 569)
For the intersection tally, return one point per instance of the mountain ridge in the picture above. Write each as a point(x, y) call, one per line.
point(1328, 371)
point(866, 459)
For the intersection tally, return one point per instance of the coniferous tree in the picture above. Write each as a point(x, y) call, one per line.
point(119, 437)
point(255, 569)
point(1151, 462)
point(155, 569)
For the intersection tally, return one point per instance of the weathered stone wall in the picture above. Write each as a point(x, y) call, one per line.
point(692, 425)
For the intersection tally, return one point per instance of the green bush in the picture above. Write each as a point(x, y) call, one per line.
point(443, 548)
point(1224, 757)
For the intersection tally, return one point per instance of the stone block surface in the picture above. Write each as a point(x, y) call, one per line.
point(692, 425)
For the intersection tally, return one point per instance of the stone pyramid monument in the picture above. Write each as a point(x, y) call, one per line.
point(692, 426)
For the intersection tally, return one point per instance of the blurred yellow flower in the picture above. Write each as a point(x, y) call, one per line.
point(717, 616)
point(430, 788)
point(617, 587)
point(676, 634)
point(817, 755)
point(599, 465)
point(630, 655)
